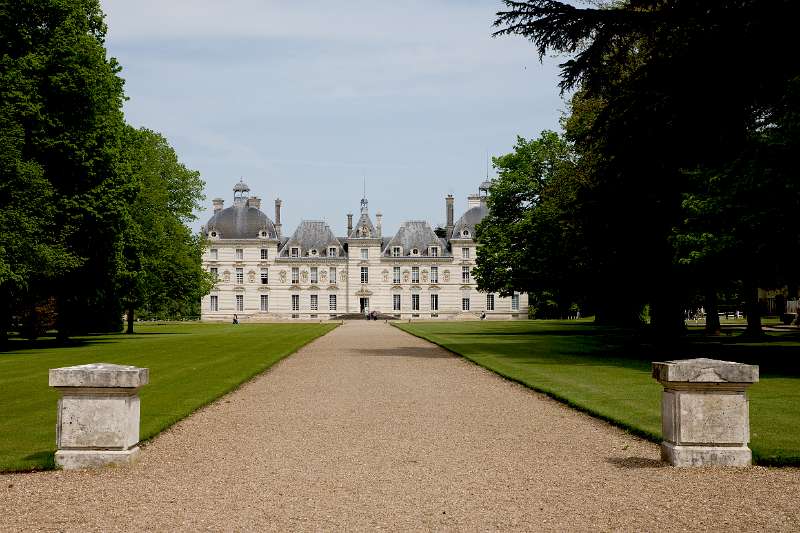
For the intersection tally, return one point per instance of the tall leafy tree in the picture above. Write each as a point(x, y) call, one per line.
point(162, 272)
point(529, 240)
point(684, 87)
point(63, 194)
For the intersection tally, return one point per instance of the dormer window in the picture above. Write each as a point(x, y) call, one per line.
point(294, 251)
point(313, 253)
point(332, 251)
point(396, 251)
point(465, 233)
point(213, 234)
point(414, 251)
point(434, 251)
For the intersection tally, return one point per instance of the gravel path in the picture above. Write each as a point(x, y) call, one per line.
point(371, 428)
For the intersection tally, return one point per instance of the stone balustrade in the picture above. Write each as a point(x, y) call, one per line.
point(705, 412)
point(98, 414)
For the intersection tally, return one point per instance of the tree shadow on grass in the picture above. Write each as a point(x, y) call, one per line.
point(16, 345)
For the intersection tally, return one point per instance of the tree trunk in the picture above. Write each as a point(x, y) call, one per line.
point(712, 316)
point(751, 310)
point(129, 331)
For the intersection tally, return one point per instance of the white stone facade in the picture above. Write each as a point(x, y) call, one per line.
point(264, 276)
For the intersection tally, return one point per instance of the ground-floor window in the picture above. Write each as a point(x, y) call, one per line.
point(265, 302)
point(314, 302)
point(434, 302)
point(515, 302)
point(396, 302)
point(240, 302)
point(295, 302)
point(490, 302)
point(415, 302)
point(465, 304)
point(332, 302)
point(215, 303)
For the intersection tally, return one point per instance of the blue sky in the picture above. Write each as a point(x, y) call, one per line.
point(304, 99)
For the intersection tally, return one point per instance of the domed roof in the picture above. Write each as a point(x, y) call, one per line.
point(241, 222)
point(468, 221)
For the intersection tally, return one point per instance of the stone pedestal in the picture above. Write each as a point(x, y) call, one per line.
point(705, 412)
point(98, 414)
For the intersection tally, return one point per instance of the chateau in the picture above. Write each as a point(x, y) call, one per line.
point(313, 274)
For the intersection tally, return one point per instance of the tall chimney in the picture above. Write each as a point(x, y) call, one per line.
point(449, 208)
point(379, 220)
point(254, 201)
point(349, 223)
point(278, 203)
point(217, 203)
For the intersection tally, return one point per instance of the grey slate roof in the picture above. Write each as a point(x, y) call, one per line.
point(363, 228)
point(415, 234)
point(468, 221)
point(312, 235)
point(240, 222)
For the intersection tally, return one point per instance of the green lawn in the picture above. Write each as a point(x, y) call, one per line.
point(606, 372)
point(190, 366)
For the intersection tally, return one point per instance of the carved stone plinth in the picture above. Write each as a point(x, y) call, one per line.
point(705, 412)
point(98, 414)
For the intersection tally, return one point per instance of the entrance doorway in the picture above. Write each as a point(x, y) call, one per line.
point(364, 305)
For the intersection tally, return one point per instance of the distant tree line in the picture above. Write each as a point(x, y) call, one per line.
point(92, 210)
point(674, 181)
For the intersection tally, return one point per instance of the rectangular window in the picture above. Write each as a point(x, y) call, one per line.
point(314, 302)
point(265, 302)
point(214, 303)
point(395, 251)
point(295, 302)
point(490, 302)
point(214, 254)
point(332, 275)
point(240, 275)
point(332, 302)
point(264, 276)
point(434, 251)
point(214, 272)
point(264, 253)
point(434, 302)
point(396, 275)
point(465, 274)
point(434, 274)
point(295, 252)
point(240, 302)
point(239, 254)
point(364, 274)
point(414, 274)
point(314, 275)
point(365, 253)
point(465, 253)
point(465, 304)
point(415, 302)
point(332, 251)
point(515, 302)
point(396, 302)
point(295, 275)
